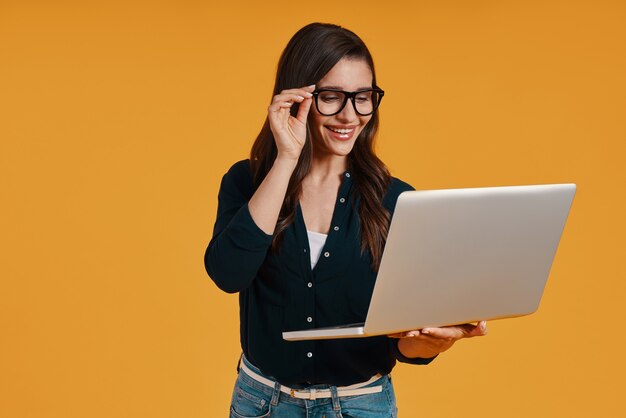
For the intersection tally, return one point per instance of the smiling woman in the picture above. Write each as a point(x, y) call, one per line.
point(300, 232)
point(335, 128)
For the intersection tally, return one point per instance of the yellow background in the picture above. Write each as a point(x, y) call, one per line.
point(117, 122)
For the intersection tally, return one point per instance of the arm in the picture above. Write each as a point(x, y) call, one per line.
point(266, 202)
point(244, 228)
point(239, 246)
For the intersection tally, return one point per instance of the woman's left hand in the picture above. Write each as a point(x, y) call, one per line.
point(429, 342)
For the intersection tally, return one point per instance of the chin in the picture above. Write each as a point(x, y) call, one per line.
point(341, 148)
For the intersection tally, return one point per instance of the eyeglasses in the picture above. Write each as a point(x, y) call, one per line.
point(329, 102)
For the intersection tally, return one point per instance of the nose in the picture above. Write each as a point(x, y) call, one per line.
point(348, 112)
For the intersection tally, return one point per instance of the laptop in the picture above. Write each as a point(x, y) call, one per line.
point(462, 255)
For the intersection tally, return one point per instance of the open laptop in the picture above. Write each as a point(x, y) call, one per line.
point(462, 255)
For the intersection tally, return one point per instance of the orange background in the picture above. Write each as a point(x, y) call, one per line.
point(117, 122)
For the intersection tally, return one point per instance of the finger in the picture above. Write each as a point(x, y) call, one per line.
point(300, 91)
point(278, 117)
point(446, 333)
point(305, 92)
point(303, 111)
point(279, 105)
point(471, 330)
point(288, 98)
point(479, 330)
point(457, 331)
point(407, 334)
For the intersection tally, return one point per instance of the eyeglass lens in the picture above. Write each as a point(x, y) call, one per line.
point(331, 102)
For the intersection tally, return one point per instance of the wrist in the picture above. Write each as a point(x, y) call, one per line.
point(411, 348)
point(409, 360)
point(286, 161)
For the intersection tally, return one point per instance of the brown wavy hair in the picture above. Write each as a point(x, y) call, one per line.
point(310, 54)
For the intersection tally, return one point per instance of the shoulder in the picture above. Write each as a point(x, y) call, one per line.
point(396, 186)
point(399, 186)
point(241, 169)
point(238, 178)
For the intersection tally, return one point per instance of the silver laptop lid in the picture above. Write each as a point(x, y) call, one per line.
point(475, 254)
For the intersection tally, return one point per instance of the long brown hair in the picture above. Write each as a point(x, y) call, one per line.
point(310, 54)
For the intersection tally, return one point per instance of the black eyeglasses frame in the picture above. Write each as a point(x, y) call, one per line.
point(349, 95)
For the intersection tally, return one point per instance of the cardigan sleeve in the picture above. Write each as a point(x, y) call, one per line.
point(238, 246)
point(409, 360)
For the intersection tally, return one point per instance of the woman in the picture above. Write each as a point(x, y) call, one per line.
point(300, 232)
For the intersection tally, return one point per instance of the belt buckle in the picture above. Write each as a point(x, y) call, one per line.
point(312, 394)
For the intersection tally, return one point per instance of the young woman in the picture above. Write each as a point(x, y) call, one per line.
point(300, 231)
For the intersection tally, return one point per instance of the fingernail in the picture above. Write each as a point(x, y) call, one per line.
point(307, 94)
point(300, 97)
point(414, 333)
point(312, 86)
point(425, 331)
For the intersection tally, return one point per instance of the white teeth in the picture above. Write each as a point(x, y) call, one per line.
point(341, 131)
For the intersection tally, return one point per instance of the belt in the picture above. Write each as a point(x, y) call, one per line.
point(312, 394)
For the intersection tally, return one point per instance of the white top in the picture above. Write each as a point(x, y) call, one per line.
point(316, 243)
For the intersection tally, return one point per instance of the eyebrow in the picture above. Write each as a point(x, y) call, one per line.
point(341, 88)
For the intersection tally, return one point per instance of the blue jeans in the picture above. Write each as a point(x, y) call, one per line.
point(252, 399)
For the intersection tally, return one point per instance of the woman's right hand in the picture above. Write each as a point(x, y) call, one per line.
point(290, 132)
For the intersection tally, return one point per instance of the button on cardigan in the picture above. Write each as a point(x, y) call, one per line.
point(278, 290)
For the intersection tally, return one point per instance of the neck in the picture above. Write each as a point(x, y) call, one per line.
point(327, 167)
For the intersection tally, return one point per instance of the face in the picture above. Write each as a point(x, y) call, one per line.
point(336, 135)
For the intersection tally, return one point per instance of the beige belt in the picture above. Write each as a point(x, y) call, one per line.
point(312, 394)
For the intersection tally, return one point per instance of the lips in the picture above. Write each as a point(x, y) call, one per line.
point(341, 133)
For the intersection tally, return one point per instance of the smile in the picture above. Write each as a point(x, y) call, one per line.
point(342, 134)
point(341, 131)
